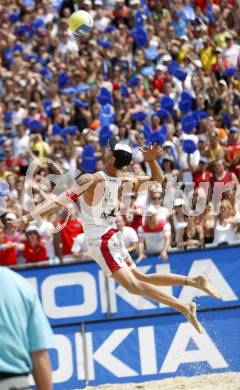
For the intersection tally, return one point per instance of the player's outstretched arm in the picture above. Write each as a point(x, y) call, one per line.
point(47, 207)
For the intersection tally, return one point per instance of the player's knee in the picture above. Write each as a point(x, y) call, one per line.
point(133, 287)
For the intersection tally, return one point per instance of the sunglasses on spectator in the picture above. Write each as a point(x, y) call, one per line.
point(156, 198)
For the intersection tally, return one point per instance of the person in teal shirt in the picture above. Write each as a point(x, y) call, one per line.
point(25, 335)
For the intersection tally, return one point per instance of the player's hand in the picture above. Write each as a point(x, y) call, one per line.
point(151, 152)
point(164, 255)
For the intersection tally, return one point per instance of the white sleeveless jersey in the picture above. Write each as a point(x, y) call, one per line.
point(97, 220)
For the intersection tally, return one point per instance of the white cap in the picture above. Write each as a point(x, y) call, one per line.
point(151, 210)
point(122, 153)
point(166, 58)
point(92, 42)
point(184, 38)
point(56, 104)
point(168, 144)
point(134, 2)
point(161, 67)
point(178, 202)
point(33, 105)
point(10, 216)
point(32, 228)
point(228, 35)
point(223, 82)
point(154, 42)
point(98, 2)
point(198, 63)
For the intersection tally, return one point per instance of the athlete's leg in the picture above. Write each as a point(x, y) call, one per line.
point(126, 278)
point(164, 279)
point(158, 279)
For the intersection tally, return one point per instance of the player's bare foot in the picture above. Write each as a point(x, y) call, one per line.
point(203, 283)
point(192, 317)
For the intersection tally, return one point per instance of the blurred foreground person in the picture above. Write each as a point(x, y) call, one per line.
point(25, 335)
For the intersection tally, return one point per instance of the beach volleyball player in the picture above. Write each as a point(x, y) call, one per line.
point(98, 196)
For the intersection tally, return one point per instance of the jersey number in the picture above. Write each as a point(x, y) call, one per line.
point(111, 214)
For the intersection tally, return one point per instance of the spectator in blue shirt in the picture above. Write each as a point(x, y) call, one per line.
point(179, 24)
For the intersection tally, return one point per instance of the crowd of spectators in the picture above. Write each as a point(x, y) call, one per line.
point(150, 71)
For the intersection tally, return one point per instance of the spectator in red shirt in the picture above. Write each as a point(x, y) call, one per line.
point(160, 78)
point(202, 174)
point(34, 249)
point(120, 13)
point(223, 176)
point(7, 250)
point(71, 227)
point(233, 150)
point(133, 215)
point(201, 3)
point(12, 161)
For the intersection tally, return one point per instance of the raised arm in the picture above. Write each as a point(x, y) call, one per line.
point(151, 153)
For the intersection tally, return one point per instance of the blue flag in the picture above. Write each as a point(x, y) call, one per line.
point(104, 136)
point(189, 123)
point(104, 97)
point(189, 146)
point(107, 115)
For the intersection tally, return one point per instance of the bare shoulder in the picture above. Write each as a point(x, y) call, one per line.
point(98, 178)
point(91, 178)
point(95, 188)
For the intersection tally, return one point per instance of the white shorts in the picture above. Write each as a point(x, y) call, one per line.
point(110, 253)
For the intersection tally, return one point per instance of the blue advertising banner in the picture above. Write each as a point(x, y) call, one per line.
point(80, 292)
point(147, 348)
point(70, 293)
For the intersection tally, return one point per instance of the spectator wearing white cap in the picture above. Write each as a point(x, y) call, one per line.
point(8, 255)
point(34, 249)
point(178, 221)
point(22, 139)
point(46, 230)
point(232, 51)
point(14, 235)
point(101, 18)
point(160, 78)
point(19, 111)
point(155, 235)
